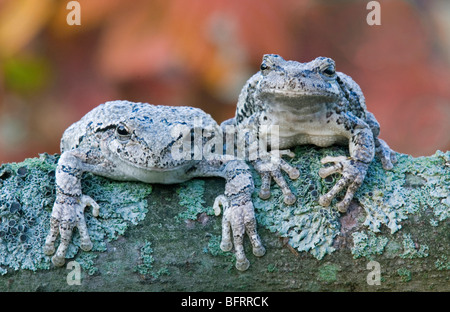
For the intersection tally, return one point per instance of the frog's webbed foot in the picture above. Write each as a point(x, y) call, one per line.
point(68, 213)
point(238, 218)
point(387, 155)
point(353, 173)
point(269, 166)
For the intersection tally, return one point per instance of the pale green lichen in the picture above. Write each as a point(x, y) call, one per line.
point(214, 249)
point(433, 222)
point(328, 272)
point(414, 186)
point(121, 203)
point(405, 274)
point(87, 262)
point(26, 202)
point(27, 192)
point(367, 245)
point(442, 263)
point(146, 265)
point(309, 226)
point(191, 196)
point(388, 198)
point(214, 246)
point(272, 268)
point(410, 251)
point(393, 249)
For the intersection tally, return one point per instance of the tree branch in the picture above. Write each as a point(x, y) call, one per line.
point(394, 237)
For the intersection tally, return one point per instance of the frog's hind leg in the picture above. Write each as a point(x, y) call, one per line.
point(387, 155)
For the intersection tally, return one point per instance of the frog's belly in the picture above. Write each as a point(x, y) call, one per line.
point(321, 140)
point(309, 126)
point(127, 172)
point(309, 134)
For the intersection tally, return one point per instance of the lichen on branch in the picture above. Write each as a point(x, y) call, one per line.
point(387, 199)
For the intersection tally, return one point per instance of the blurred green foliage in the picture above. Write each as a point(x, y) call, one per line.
point(26, 75)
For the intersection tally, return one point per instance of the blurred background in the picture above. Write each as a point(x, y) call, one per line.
point(200, 53)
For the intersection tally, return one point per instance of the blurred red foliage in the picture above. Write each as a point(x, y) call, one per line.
point(200, 53)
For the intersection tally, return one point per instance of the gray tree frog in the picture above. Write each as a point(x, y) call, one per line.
point(130, 141)
point(311, 103)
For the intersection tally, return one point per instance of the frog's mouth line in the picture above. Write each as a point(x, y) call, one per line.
point(132, 163)
point(280, 94)
point(151, 168)
point(132, 171)
point(293, 101)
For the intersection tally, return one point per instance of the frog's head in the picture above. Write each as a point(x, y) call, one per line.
point(138, 134)
point(290, 80)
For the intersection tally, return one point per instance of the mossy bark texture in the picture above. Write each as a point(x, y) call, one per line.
point(394, 237)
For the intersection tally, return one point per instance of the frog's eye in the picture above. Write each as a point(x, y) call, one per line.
point(122, 133)
point(264, 66)
point(329, 71)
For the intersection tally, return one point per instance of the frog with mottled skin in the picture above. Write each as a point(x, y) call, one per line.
point(311, 103)
point(130, 141)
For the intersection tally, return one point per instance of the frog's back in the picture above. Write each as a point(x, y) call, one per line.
point(108, 115)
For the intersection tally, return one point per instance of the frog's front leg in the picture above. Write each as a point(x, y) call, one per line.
point(238, 213)
point(354, 168)
point(68, 209)
point(269, 166)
